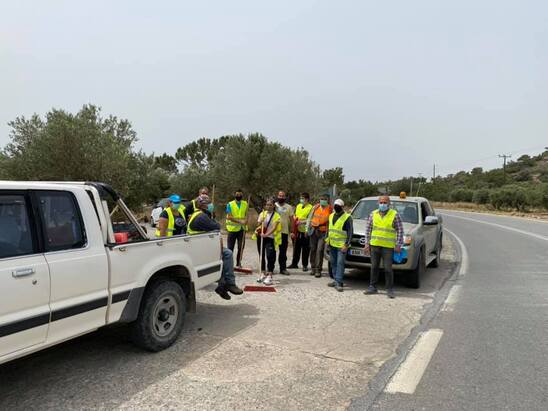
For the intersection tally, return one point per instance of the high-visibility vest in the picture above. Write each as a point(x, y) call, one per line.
point(189, 229)
point(383, 233)
point(336, 237)
point(302, 212)
point(171, 221)
point(320, 218)
point(277, 233)
point(238, 211)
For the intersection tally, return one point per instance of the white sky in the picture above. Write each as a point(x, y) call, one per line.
point(381, 88)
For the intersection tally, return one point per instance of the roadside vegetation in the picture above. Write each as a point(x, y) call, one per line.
point(88, 146)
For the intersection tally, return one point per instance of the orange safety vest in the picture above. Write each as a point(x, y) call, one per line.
point(320, 218)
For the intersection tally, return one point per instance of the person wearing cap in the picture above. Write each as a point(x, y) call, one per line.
point(339, 235)
point(191, 206)
point(236, 224)
point(172, 219)
point(383, 236)
point(201, 222)
point(316, 227)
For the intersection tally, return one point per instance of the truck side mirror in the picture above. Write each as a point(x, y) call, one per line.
point(431, 220)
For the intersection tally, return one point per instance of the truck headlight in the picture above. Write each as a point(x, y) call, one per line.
point(407, 239)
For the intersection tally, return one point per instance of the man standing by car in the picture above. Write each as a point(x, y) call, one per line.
point(236, 224)
point(286, 217)
point(339, 236)
point(172, 220)
point(201, 222)
point(383, 236)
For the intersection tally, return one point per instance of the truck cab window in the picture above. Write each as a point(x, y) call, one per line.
point(61, 221)
point(124, 229)
point(15, 230)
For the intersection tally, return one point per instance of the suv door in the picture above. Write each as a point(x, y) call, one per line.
point(24, 277)
point(429, 231)
point(77, 261)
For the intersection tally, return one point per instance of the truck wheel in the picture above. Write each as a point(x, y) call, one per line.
point(436, 261)
point(416, 274)
point(161, 316)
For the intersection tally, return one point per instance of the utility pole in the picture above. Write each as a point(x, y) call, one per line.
point(434, 173)
point(505, 157)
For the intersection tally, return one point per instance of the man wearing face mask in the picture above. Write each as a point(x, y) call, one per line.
point(383, 236)
point(286, 216)
point(339, 234)
point(299, 235)
point(172, 219)
point(236, 223)
point(201, 222)
point(316, 228)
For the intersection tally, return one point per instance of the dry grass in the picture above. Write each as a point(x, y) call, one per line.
point(480, 208)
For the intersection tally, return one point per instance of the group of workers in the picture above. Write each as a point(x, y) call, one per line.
point(309, 226)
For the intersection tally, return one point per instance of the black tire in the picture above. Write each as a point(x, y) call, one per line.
point(416, 274)
point(153, 331)
point(436, 261)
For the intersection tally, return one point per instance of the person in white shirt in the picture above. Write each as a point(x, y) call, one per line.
point(286, 218)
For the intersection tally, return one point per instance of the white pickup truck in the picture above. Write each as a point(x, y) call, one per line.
point(73, 258)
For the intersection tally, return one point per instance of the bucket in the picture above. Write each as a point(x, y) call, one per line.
point(121, 238)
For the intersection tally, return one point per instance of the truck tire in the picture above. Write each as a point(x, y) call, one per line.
point(161, 316)
point(417, 273)
point(436, 261)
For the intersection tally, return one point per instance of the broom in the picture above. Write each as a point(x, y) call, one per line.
point(261, 256)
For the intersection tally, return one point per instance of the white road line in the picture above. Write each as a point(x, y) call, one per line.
point(535, 220)
point(452, 298)
point(410, 372)
point(516, 230)
point(464, 261)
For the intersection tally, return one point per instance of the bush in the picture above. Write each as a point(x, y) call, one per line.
point(481, 196)
point(462, 195)
point(509, 197)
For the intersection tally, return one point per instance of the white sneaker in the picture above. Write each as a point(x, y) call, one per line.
point(268, 280)
point(261, 278)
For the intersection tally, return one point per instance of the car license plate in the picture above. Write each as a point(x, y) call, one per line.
point(357, 251)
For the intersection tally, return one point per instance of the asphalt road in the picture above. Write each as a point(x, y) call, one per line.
point(488, 346)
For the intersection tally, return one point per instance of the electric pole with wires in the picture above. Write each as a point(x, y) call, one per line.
point(505, 157)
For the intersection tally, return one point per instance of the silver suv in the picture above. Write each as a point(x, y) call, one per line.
point(423, 235)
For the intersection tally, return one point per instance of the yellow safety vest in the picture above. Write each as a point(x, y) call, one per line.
point(336, 237)
point(302, 212)
point(238, 211)
point(383, 233)
point(277, 233)
point(171, 221)
point(189, 230)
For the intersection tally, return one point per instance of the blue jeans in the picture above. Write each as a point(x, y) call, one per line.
point(338, 259)
point(227, 275)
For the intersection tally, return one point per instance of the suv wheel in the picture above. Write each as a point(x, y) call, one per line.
point(161, 316)
point(417, 273)
point(436, 261)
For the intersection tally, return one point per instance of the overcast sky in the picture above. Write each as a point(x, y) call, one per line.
point(382, 88)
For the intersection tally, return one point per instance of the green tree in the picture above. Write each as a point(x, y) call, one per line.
point(333, 176)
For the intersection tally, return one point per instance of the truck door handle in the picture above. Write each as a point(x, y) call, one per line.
point(186, 239)
point(212, 236)
point(22, 272)
point(122, 249)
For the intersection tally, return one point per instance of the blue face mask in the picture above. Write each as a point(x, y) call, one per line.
point(323, 203)
point(383, 207)
point(210, 207)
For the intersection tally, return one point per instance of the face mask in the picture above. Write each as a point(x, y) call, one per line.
point(238, 198)
point(383, 207)
point(281, 200)
point(175, 206)
point(323, 203)
point(338, 208)
point(301, 200)
point(210, 207)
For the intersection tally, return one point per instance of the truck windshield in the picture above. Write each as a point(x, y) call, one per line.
point(407, 210)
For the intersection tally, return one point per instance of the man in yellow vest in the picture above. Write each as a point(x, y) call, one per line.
point(383, 236)
point(192, 206)
point(201, 222)
point(236, 224)
point(299, 235)
point(339, 235)
point(172, 219)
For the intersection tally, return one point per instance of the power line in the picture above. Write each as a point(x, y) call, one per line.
point(505, 157)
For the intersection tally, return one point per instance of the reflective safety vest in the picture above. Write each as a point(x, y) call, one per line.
point(336, 237)
point(301, 213)
point(171, 221)
point(383, 233)
point(277, 233)
point(238, 211)
point(320, 218)
point(189, 229)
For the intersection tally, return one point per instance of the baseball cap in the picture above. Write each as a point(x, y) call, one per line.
point(174, 198)
point(339, 202)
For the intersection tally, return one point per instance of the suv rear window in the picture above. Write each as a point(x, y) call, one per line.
point(407, 210)
point(15, 228)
